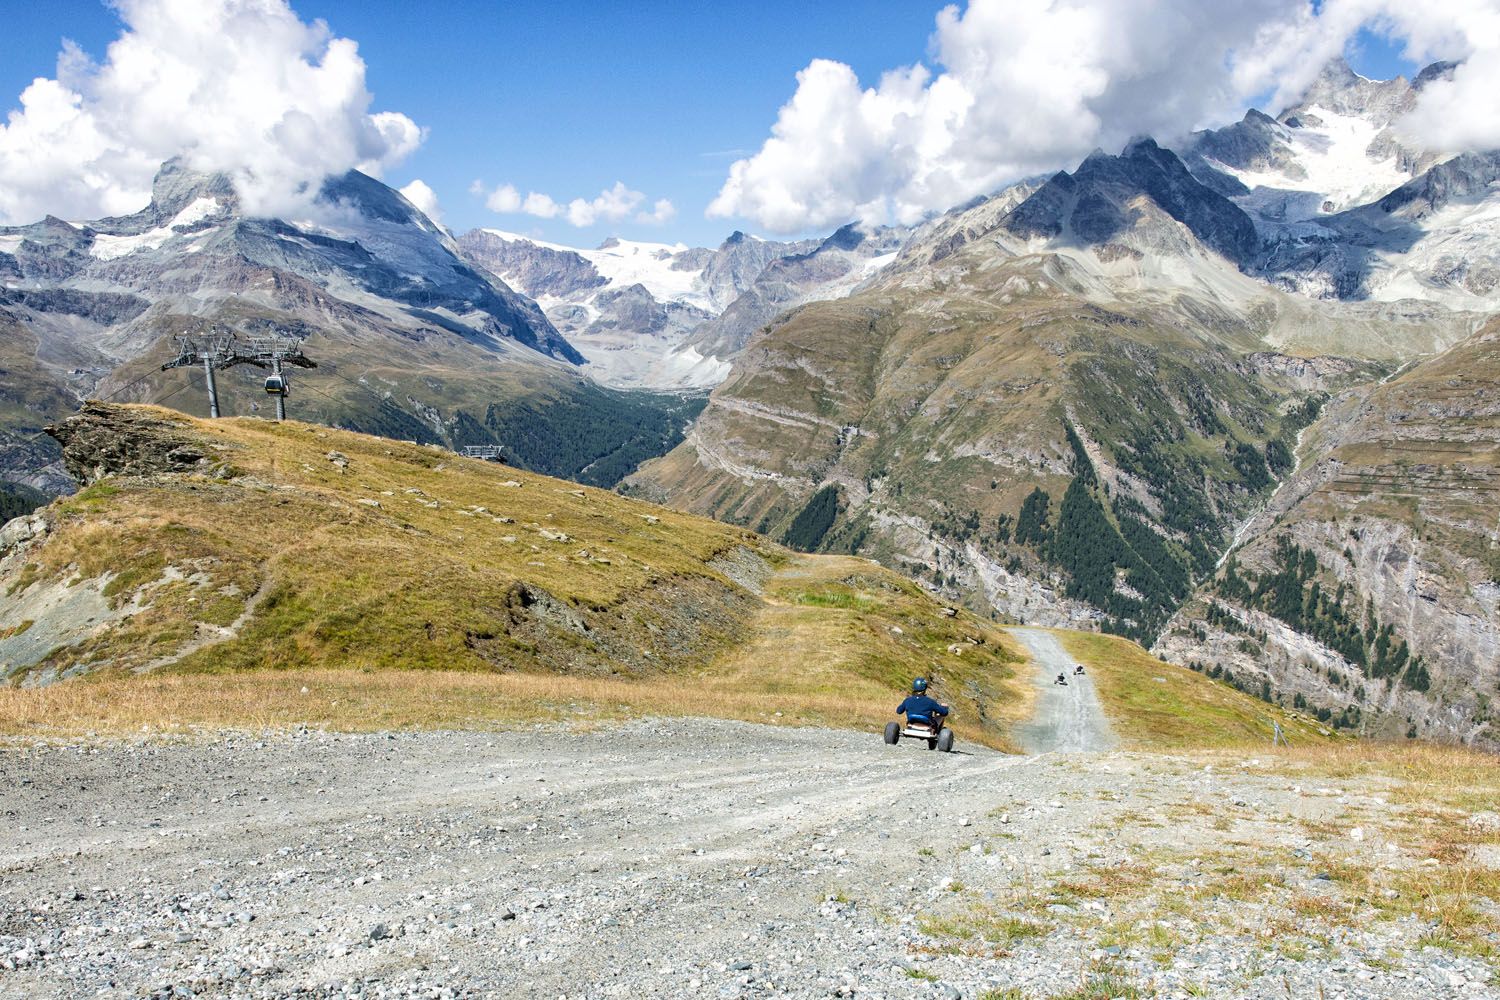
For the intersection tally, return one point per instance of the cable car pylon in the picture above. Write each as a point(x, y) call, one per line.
point(214, 350)
point(218, 349)
point(272, 353)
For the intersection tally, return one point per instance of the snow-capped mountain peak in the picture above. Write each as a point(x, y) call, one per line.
point(630, 305)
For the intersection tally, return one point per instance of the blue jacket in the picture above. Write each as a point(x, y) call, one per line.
point(920, 706)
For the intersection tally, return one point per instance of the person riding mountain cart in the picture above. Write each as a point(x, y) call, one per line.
point(925, 718)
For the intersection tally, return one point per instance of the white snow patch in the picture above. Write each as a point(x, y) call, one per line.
point(200, 209)
point(107, 247)
point(626, 262)
point(879, 263)
point(629, 262)
point(10, 244)
point(1339, 170)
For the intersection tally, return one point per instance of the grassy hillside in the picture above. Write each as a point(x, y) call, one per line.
point(1021, 446)
point(1367, 591)
point(266, 573)
point(1159, 706)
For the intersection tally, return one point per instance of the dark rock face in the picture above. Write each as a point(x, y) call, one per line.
point(537, 270)
point(1437, 71)
point(176, 187)
point(104, 440)
point(631, 308)
point(789, 281)
point(740, 260)
point(1092, 202)
point(101, 307)
point(1466, 176)
point(1256, 142)
point(1341, 90)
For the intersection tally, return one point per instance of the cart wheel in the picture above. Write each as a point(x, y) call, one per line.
point(932, 744)
point(892, 733)
point(945, 740)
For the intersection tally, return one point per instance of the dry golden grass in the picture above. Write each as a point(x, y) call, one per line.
point(391, 593)
point(1158, 706)
point(354, 700)
point(1422, 772)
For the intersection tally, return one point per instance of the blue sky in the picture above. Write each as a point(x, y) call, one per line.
point(569, 98)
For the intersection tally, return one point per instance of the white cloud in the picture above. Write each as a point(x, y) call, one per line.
point(426, 199)
point(1033, 85)
point(504, 198)
point(611, 205)
point(243, 86)
point(540, 205)
point(661, 213)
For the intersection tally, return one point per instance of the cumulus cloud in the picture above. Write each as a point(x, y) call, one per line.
point(426, 199)
point(504, 199)
point(613, 204)
point(242, 86)
point(661, 213)
point(1027, 86)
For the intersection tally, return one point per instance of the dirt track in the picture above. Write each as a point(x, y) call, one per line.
point(691, 858)
point(1069, 718)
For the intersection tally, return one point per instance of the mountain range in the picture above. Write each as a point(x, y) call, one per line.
point(416, 334)
point(649, 315)
point(1230, 394)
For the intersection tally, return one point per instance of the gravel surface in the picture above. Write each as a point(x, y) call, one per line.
point(679, 858)
point(1069, 718)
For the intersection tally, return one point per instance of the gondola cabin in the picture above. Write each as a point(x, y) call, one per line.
point(276, 385)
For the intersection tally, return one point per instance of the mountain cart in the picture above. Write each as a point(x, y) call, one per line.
point(931, 730)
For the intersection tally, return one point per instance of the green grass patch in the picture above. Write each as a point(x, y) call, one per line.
point(1157, 705)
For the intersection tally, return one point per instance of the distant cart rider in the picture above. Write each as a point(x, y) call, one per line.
point(921, 707)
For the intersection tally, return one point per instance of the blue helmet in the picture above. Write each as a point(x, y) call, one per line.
point(919, 685)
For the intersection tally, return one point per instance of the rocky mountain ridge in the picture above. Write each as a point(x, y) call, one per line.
point(1065, 403)
point(652, 315)
point(411, 340)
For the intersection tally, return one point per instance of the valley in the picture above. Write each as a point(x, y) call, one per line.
point(1122, 398)
point(258, 777)
point(723, 502)
point(1066, 404)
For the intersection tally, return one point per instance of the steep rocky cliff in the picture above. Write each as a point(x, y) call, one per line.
point(1369, 588)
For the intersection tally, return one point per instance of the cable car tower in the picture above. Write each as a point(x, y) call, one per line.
point(272, 353)
point(218, 349)
point(215, 350)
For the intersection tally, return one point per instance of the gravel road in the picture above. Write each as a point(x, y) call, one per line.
point(1068, 717)
point(680, 858)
